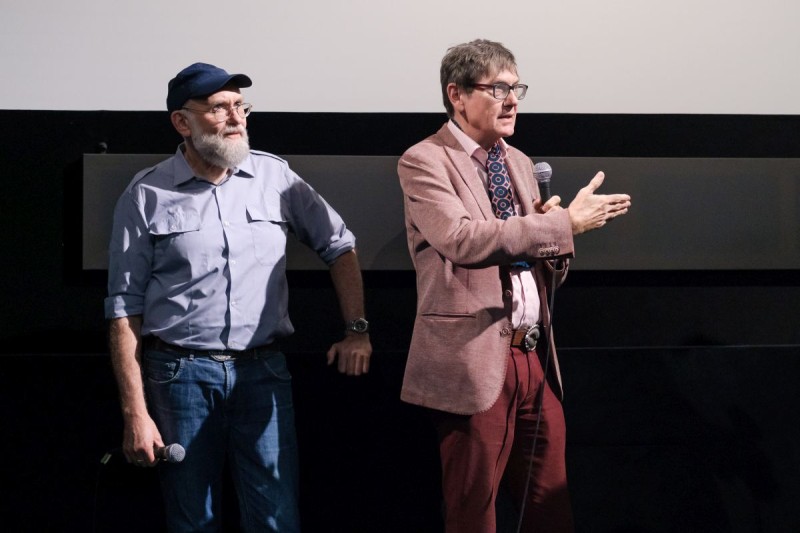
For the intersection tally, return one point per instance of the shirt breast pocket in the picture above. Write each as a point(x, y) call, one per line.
point(268, 228)
point(179, 245)
point(176, 230)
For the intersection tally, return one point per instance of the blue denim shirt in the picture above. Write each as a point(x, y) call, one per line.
point(205, 264)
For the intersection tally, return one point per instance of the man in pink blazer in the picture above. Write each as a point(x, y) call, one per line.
point(485, 249)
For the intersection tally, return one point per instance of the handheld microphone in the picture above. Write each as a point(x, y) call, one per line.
point(542, 172)
point(172, 453)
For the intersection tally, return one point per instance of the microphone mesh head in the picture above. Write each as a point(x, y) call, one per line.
point(542, 172)
point(174, 453)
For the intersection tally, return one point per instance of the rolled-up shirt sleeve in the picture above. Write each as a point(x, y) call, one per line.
point(314, 222)
point(130, 258)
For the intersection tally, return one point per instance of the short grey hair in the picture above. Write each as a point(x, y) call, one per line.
point(465, 64)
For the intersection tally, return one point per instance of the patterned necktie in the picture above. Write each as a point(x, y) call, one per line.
point(500, 190)
point(499, 184)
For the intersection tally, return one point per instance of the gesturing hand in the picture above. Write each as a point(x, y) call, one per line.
point(590, 211)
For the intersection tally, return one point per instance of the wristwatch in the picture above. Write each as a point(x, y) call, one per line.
point(359, 325)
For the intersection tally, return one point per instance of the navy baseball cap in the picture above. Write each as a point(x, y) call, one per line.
point(198, 80)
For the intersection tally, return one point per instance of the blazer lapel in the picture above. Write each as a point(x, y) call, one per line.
point(520, 181)
point(466, 169)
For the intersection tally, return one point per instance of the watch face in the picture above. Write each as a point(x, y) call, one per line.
point(359, 325)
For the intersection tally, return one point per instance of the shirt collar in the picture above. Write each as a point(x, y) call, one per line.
point(183, 172)
point(246, 168)
point(470, 146)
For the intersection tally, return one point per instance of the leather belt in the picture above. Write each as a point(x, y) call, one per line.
point(526, 339)
point(154, 343)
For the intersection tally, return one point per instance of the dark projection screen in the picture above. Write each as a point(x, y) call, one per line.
point(688, 213)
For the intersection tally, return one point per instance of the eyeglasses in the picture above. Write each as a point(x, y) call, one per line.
point(222, 112)
point(500, 90)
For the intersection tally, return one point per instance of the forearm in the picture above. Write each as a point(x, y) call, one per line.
point(354, 350)
point(346, 277)
point(125, 346)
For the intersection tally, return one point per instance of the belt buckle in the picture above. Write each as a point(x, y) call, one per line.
point(532, 337)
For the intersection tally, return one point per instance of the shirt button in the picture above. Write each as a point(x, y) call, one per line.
point(233, 261)
point(226, 224)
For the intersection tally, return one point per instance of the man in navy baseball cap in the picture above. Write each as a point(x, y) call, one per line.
point(198, 80)
point(197, 305)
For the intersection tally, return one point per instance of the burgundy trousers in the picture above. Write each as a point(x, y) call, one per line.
point(478, 451)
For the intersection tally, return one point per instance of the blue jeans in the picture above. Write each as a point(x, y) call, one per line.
point(239, 410)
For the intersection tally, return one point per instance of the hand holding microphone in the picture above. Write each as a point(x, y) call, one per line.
point(172, 453)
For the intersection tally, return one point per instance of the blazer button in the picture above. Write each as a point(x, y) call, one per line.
point(507, 293)
point(505, 332)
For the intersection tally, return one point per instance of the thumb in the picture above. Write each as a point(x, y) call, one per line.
point(331, 355)
point(158, 442)
point(596, 182)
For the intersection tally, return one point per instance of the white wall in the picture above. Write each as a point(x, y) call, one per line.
point(579, 56)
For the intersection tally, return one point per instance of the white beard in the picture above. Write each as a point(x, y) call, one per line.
point(219, 151)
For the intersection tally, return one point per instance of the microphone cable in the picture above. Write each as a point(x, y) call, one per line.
point(540, 395)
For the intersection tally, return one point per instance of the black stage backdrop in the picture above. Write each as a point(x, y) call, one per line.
point(681, 403)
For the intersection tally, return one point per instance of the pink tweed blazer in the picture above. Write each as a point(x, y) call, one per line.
point(462, 331)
